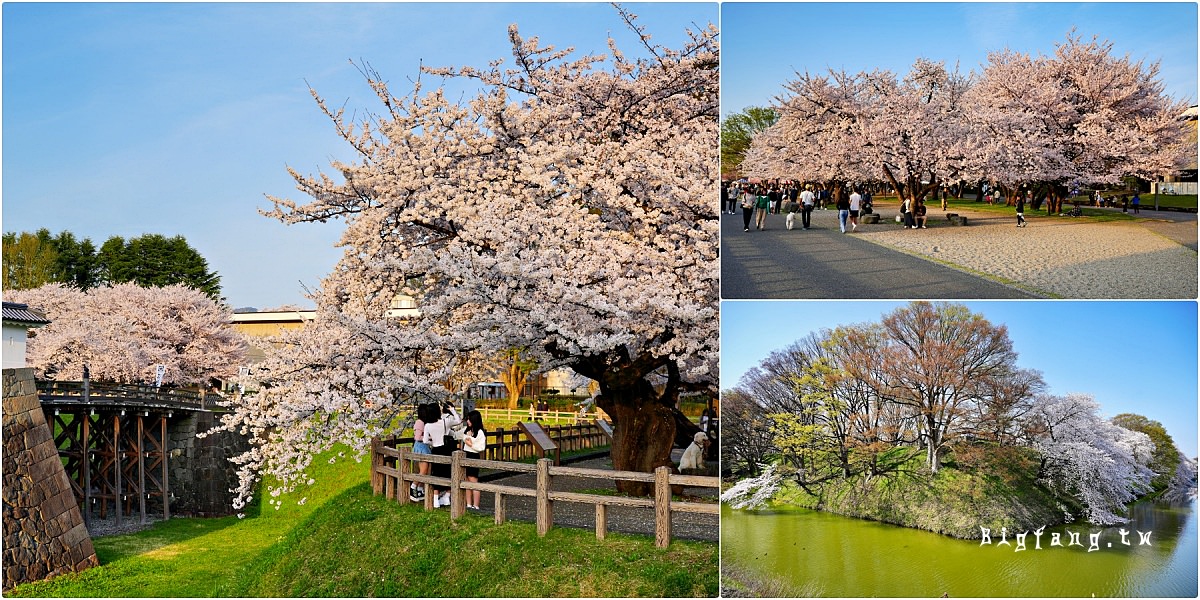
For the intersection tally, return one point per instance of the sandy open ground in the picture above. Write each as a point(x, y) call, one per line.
point(1056, 257)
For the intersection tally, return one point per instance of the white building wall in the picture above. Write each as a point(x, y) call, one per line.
point(13, 349)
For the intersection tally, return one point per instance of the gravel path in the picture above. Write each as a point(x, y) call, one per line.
point(98, 527)
point(1060, 256)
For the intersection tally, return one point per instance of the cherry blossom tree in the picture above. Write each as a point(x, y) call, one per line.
point(1182, 486)
point(1079, 116)
point(844, 127)
point(121, 332)
point(569, 208)
point(1103, 465)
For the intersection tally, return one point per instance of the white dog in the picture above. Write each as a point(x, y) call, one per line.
point(693, 457)
point(791, 220)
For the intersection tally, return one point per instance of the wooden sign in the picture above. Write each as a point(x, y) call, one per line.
point(541, 440)
point(606, 427)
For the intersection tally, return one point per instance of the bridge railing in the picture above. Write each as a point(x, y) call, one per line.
point(133, 395)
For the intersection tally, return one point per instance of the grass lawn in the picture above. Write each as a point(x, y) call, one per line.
point(890, 204)
point(346, 542)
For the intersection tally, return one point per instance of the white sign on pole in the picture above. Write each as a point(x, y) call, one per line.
point(159, 371)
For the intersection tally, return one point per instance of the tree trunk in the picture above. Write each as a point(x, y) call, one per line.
point(642, 440)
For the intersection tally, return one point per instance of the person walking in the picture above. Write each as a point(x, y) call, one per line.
point(855, 206)
point(843, 208)
point(1021, 210)
point(747, 208)
point(1137, 204)
point(807, 203)
point(761, 205)
point(474, 443)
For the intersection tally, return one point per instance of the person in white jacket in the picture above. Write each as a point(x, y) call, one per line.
point(435, 435)
point(474, 443)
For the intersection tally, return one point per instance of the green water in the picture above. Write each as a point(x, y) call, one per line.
point(829, 555)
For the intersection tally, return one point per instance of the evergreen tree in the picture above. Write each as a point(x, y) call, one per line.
point(76, 263)
point(154, 260)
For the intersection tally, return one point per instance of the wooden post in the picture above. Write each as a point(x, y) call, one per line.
point(405, 468)
point(376, 462)
point(662, 507)
point(545, 508)
point(166, 489)
point(601, 521)
point(500, 509)
point(116, 441)
point(458, 474)
point(141, 469)
point(87, 468)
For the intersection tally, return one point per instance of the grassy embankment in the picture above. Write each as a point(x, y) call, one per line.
point(345, 542)
point(994, 491)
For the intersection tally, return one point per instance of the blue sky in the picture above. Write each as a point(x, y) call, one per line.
point(178, 118)
point(1137, 357)
point(766, 44)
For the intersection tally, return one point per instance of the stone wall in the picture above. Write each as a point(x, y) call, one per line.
point(201, 475)
point(44, 534)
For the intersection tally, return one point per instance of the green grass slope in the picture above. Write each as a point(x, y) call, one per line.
point(957, 501)
point(345, 542)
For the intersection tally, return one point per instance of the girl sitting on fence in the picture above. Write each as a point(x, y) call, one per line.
point(474, 443)
point(426, 413)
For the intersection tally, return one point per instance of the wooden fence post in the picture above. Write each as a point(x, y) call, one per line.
point(545, 515)
point(662, 507)
point(405, 466)
point(458, 474)
point(601, 521)
point(499, 508)
point(376, 462)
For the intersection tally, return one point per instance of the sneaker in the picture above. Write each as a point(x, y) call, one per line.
point(924, 227)
point(437, 501)
point(746, 229)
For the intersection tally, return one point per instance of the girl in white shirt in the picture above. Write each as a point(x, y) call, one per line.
point(435, 435)
point(474, 443)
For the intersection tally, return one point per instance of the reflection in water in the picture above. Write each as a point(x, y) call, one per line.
point(849, 557)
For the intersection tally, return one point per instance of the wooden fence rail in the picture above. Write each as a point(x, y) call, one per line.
point(545, 416)
point(392, 483)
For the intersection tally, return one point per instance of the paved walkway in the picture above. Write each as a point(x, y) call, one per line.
point(822, 262)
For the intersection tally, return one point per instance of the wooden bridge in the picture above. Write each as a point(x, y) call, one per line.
point(113, 438)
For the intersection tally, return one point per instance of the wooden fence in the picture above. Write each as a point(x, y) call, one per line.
point(513, 444)
point(545, 416)
point(392, 482)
